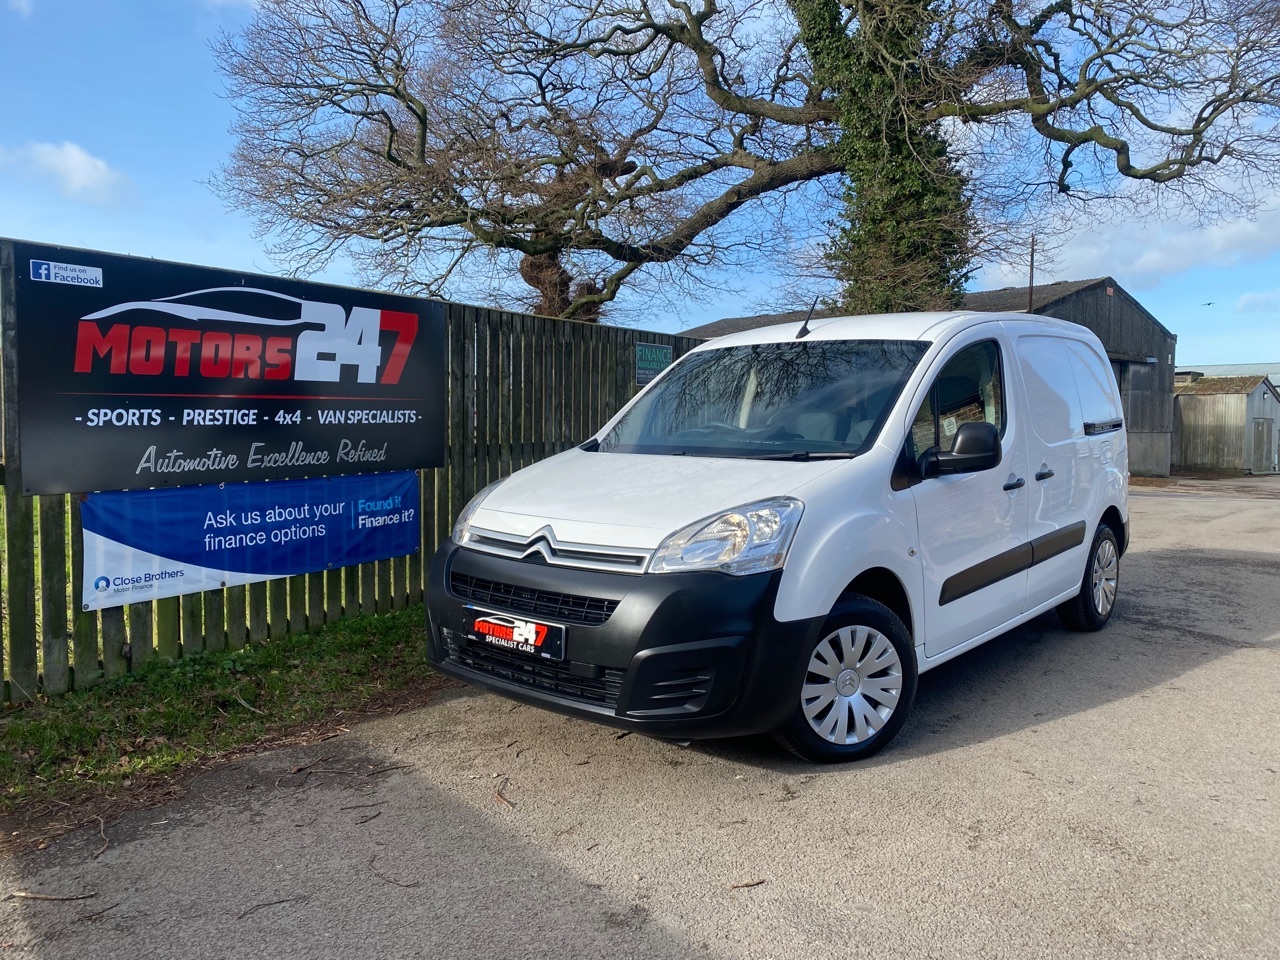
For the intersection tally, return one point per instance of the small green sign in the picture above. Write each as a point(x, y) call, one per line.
point(651, 360)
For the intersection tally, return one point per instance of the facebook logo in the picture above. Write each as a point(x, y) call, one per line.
point(74, 274)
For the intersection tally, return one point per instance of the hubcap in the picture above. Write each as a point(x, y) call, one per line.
point(852, 685)
point(1106, 573)
point(847, 683)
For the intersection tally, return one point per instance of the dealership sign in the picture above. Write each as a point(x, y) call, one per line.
point(651, 360)
point(149, 544)
point(137, 373)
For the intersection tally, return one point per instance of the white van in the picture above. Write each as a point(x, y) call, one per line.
point(791, 524)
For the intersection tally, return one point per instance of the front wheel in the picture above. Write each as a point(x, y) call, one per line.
point(1091, 608)
point(860, 679)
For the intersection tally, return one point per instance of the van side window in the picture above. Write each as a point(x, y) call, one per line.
point(969, 389)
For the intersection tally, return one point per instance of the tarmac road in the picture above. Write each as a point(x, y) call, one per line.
point(1053, 795)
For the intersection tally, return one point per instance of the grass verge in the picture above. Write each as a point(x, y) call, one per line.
point(173, 716)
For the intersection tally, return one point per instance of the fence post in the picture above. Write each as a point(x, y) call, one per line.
point(237, 617)
point(141, 617)
point(19, 510)
point(53, 593)
point(169, 628)
point(84, 640)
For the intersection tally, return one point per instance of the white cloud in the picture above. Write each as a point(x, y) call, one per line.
point(1265, 301)
point(23, 7)
point(76, 173)
point(1141, 254)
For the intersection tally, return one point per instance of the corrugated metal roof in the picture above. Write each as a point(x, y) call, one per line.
point(721, 328)
point(1014, 299)
point(1271, 370)
point(1005, 300)
point(1211, 386)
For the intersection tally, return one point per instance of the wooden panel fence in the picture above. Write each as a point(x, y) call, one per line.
point(520, 388)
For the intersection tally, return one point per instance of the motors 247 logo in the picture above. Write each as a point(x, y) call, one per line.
point(524, 635)
point(333, 339)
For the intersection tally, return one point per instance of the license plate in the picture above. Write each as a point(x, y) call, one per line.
point(545, 640)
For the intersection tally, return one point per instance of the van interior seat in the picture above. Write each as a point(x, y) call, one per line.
point(816, 425)
point(858, 431)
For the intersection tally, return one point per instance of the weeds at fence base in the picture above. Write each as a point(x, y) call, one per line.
point(134, 742)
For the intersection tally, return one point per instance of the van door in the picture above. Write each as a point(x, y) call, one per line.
point(1061, 464)
point(972, 526)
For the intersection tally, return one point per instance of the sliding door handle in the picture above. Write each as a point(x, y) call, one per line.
point(1044, 474)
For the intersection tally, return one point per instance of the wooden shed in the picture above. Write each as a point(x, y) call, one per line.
point(1140, 347)
point(1227, 423)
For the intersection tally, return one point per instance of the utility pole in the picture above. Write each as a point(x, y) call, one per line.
point(1031, 277)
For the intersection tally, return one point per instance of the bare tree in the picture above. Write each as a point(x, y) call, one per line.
point(418, 136)
point(588, 144)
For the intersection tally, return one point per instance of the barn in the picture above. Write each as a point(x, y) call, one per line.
point(1226, 423)
point(1141, 350)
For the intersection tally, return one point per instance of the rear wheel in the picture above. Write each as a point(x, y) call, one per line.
point(1091, 608)
point(860, 679)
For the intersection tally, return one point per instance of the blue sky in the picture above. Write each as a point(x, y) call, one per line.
point(114, 120)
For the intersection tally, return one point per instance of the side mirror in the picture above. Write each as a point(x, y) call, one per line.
point(976, 447)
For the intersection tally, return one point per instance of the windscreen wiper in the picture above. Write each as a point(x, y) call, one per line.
point(803, 455)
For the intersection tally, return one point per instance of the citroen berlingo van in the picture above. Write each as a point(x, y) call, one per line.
point(788, 526)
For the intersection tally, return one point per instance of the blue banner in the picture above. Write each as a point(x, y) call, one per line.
point(148, 544)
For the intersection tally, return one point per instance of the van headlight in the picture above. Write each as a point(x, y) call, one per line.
point(463, 523)
point(747, 539)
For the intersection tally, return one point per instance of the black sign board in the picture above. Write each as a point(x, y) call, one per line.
point(651, 360)
point(136, 373)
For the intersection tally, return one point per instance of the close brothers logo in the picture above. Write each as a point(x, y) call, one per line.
point(510, 630)
point(138, 581)
point(313, 355)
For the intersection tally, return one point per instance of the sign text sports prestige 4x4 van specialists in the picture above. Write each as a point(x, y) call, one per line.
point(791, 523)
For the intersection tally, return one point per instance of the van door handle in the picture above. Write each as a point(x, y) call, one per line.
point(1015, 484)
point(1044, 474)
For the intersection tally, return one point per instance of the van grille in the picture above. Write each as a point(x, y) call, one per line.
point(544, 547)
point(562, 607)
point(546, 675)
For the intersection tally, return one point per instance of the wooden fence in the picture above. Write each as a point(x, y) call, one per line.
point(520, 388)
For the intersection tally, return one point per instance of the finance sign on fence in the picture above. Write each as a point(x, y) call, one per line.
point(136, 373)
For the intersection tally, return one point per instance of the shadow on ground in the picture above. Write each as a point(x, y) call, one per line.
point(352, 855)
point(1173, 617)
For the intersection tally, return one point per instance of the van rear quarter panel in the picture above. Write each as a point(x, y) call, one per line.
point(1100, 400)
point(1101, 479)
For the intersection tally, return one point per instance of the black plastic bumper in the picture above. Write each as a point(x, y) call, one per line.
point(686, 656)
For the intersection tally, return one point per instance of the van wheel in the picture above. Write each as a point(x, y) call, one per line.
point(859, 681)
point(1091, 608)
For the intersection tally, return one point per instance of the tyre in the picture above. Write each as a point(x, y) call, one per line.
point(1091, 608)
point(859, 682)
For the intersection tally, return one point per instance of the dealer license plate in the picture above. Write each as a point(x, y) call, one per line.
point(545, 640)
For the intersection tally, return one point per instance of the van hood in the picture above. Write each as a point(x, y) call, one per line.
point(631, 499)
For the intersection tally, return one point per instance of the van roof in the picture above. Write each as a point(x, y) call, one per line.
point(926, 327)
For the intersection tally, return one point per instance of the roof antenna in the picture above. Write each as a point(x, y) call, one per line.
point(804, 327)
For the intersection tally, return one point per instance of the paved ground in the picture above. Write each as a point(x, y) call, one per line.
point(1054, 795)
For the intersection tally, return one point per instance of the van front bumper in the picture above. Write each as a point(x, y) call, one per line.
point(685, 656)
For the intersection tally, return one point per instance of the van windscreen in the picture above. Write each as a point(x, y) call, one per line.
point(797, 400)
